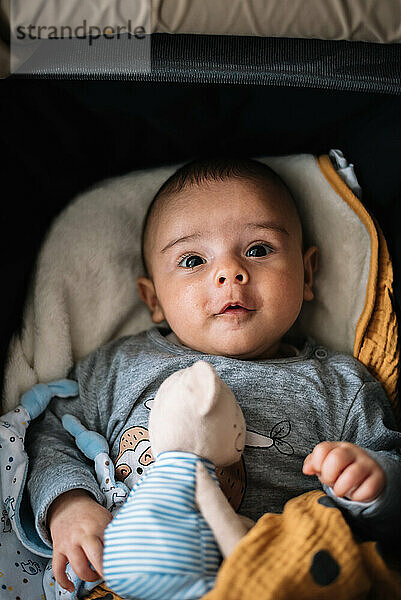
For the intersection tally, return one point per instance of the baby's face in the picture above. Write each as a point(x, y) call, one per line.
point(228, 272)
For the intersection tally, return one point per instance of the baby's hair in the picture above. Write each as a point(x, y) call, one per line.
point(201, 171)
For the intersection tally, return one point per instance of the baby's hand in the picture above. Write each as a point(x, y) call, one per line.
point(347, 469)
point(77, 523)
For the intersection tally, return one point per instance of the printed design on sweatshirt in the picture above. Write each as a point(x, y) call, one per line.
point(232, 481)
point(276, 437)
point(134, 455)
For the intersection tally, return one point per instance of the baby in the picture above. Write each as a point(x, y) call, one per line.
point(227, 270)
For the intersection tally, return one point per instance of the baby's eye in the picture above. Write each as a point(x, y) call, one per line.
point(259, 250)
point(189, 262)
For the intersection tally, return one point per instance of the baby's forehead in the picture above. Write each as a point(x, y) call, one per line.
point(178, 209)
point(239, 196)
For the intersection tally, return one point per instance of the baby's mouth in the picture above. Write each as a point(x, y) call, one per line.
point(234, 309)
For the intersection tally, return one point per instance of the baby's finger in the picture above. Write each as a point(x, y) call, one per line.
point(59, 563)
point(307, 467)
point(93, 548)
point(313, 462)
point(350, 479)
point(336, 461)
point(370, 488)
point(80, 565)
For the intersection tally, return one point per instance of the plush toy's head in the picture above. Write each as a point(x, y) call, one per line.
point(195, 411)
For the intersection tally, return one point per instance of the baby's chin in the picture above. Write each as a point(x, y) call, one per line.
point(240, 349)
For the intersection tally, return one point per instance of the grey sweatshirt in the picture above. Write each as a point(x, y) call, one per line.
point(291, 404)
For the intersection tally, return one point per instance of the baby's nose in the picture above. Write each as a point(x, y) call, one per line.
point(232, 275)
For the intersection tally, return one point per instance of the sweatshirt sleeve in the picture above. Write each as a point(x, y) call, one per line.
point(370, 424)
point(56, 465)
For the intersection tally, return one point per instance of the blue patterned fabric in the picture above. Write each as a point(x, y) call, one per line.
point(25, 568)
point(159, 546)
point(23, 556)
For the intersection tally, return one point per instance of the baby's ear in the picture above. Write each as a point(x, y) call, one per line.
point(148, 294)
point(201, 379)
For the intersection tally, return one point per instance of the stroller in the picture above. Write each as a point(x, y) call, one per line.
point(246, 86)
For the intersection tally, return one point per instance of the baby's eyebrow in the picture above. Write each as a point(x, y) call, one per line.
point(179, 240)
point(267, 225)
point(258, 225)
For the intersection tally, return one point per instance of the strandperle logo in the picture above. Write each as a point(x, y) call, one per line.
point(84, 36)
point(82, 32)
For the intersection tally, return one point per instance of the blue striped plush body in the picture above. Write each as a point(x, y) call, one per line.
point(159, 546)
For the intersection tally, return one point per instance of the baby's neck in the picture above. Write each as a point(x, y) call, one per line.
point(284, 350)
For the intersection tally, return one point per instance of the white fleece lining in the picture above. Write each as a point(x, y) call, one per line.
point(344, 254)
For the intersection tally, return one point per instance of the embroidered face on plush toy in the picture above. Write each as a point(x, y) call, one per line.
point(195, 411)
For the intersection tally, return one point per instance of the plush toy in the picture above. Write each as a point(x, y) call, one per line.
point(162, 542)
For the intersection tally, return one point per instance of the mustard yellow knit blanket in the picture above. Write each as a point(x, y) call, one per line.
point(308, 552)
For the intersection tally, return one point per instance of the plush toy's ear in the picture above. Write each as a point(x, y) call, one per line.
point(201, 380)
